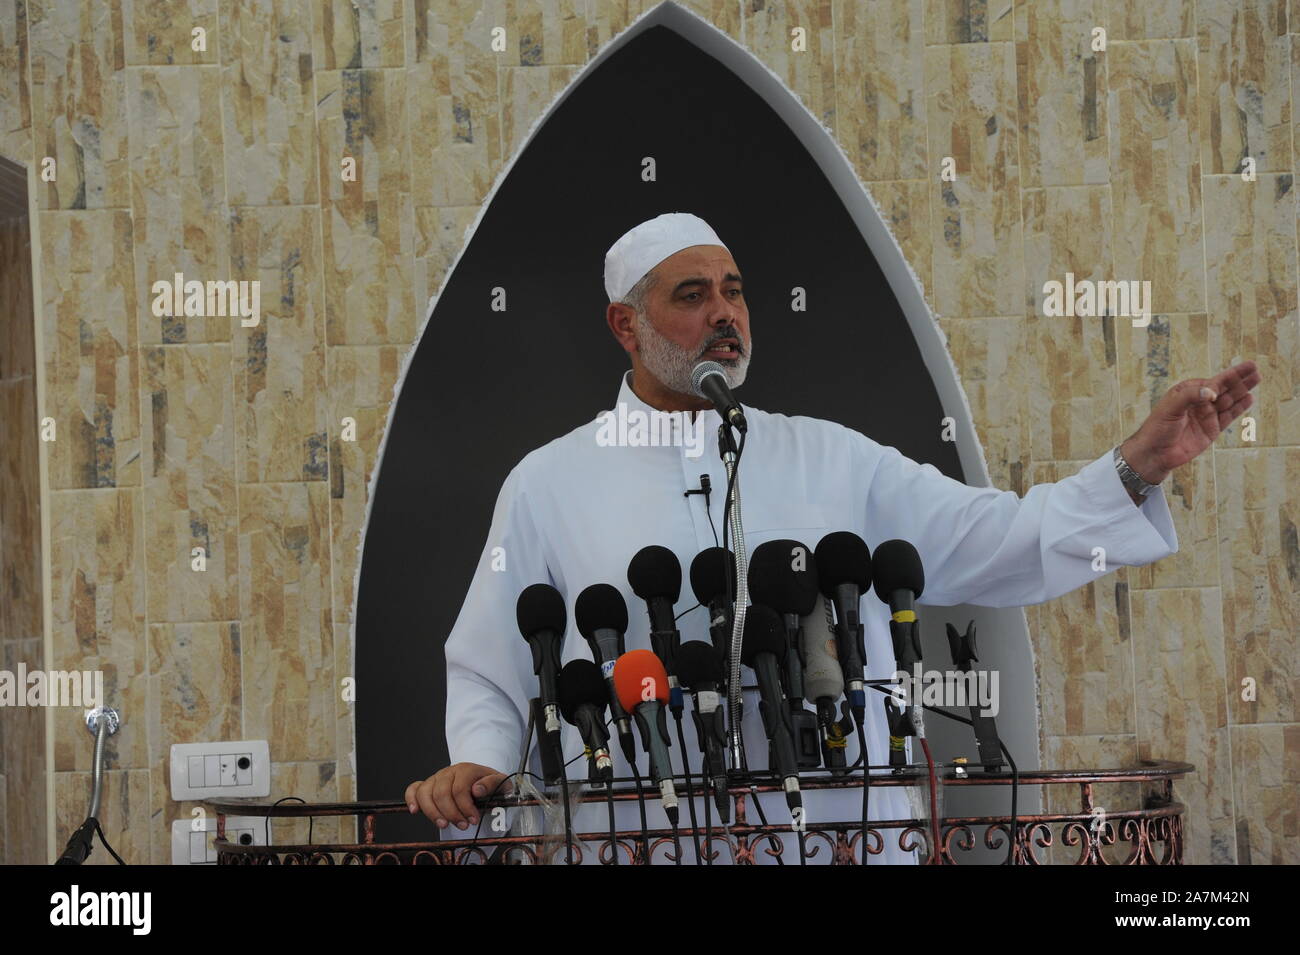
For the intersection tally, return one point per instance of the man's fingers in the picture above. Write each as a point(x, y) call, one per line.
point(493, 784)
point(1227, 417)
point(424, 799)
point(460, 794)
point(443, 798)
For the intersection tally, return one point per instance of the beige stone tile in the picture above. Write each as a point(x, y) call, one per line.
point(87, 315)
point(178, 198)
point(1062, 93)
point(1250, 247)
point(350, 36)
point(280, 399)
point(189, 483)
point(1108, 751)
point(123, 813)
point(540, 32)
point(79, 114)
point(1266, 776)
point(809, 72)
point(162, 33)
point(267, 102)
point(1156, 171)
point(990, 353)
point(968, 21)
point(195, 693)
point(905, 209)
point(22, 742)
point(525, 93)
point(1151, 361)
point(1182, 713)
point(453, 110)
point(1143, 20)
point(345, 715)
point(1073, 400)
point(975, 220)
point(1259, 511)
point(606, 19)
point(15, 88)
point(362, 382)
point(879, 110)
point(1242, 65)
point(98, 599)
point(289, 689)
point(20, 512)
point(312, 782)
point(440, 235)
point(369, 224)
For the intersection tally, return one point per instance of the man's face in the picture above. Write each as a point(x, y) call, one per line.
point(696, 312)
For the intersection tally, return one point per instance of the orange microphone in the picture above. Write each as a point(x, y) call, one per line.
point(641, 683)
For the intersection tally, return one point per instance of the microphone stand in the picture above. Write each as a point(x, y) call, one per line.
point(731, 507)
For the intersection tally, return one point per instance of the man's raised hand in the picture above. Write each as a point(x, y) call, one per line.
point(447, 797)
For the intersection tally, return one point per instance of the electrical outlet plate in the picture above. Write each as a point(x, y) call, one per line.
point(191, 846)
point(235, 768)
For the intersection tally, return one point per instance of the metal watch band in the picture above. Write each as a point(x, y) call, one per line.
point(1130, 478)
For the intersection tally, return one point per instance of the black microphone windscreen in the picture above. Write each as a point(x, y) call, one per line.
point(655, 572)
point(581, 682)
point(843, 558)
point(698, 662)
point(783, 576)
point(540, 607)
point(897, 566)
point(764, 632)
point(600, 607)
point(713, 574)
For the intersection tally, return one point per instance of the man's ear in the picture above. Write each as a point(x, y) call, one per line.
point(621, 320)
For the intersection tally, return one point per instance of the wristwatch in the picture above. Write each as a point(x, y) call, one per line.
point(1131, 480)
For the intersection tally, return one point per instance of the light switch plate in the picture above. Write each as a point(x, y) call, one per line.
point(235, 768)
point(194, 847)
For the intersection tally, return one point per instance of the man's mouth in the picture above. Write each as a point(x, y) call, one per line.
point(723, 349)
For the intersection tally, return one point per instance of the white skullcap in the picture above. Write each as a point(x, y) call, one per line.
point(643, 247)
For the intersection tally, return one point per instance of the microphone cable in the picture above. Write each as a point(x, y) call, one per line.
point(690, 796)
point(934, 802)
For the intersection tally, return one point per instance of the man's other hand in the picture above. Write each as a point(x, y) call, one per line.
point(1187, 419)
point(447, 797)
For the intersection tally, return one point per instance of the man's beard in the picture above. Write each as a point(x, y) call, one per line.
point(672, 364)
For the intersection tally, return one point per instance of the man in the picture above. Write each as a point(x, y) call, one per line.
point(575, 511)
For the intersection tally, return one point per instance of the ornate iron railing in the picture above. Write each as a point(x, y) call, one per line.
point(1151, 833)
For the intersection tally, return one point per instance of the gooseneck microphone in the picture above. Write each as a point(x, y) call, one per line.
point(844, 569)
point(655, 575)
point(642, 686)
point(601, 615)
point(713, 580)
point(709, 381)
point(542, 619)
point(700, 668)
point(583, 698)
point(763, 646)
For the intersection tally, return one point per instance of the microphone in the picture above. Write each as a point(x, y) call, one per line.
point(642, 686)
point(763, 640)
point(601, 615)
point(824, 681)
point(655, 575)
point(583, 697)
point(542, 618)
point(709, 381)
point(783, 576)
point(844, 570)
point(713, 579)
point(700, 669)
point(899, 580)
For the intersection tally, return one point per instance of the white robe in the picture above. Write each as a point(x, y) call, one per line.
point(573, 513)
